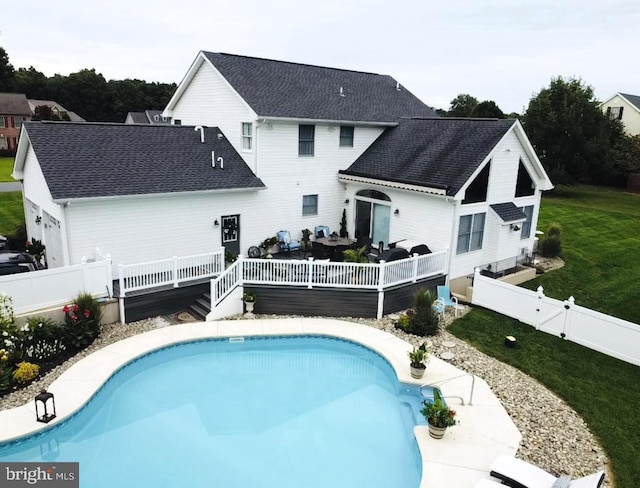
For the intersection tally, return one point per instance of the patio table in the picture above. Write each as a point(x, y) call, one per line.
point(338, 241)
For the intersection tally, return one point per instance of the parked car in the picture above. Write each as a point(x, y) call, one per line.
point(17, 262)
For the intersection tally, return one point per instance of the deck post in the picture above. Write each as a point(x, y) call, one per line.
point(175, 271)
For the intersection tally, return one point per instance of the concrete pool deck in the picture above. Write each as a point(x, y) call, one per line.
point(459, 460)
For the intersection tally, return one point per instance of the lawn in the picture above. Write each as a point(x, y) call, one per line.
point(600, 237)
point(11, 212)
point(6, 167)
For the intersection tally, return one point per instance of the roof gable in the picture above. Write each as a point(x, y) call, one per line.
point(632, 99)
point(291, 90)
point(436, 152)
point(508, 212)
point(89, 160)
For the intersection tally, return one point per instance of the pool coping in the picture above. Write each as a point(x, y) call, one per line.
point(459, 460)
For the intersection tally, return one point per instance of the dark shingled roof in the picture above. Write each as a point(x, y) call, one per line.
point(508, 212)
point(283, 89)
point(436, 153)
point(87, 160)
point(633, 99)
point(14, 104)
point(138, 117)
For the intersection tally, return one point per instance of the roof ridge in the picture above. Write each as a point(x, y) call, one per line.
point(296, 64)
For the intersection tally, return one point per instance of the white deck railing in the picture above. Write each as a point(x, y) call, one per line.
point(325, 274)
point(173, 271)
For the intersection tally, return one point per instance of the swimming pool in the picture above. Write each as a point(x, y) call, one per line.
point(263, 412)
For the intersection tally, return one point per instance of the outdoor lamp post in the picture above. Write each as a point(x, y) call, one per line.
point(45, 409)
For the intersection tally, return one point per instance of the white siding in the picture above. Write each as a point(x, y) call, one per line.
point(500, 242)
point(210, 101)
point(630, 114)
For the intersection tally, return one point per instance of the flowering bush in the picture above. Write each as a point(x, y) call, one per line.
point(8, 328)
point(82, 321)
point(6, 369)
point(41, 339)
point(26, 373)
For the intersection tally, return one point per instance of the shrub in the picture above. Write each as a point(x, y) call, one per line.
point(554, 230)
point(6, 368)
point(41, 339)
point(425, 321)
point(8, 329)
point(82, 321)
point(26, 373)
point(551, 247)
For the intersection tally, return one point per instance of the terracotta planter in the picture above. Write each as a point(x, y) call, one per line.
point(436, 432)
point(417, 373)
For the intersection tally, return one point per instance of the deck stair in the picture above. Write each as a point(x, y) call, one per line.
point(201, 307)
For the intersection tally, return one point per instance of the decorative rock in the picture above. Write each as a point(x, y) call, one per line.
point(447, 355)
point(449, 344)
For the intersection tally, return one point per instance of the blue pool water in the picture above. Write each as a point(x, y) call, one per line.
point(265, 412)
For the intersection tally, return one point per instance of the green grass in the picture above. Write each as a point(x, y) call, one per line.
point(6, 167)
point(11, 212)
point(600, 236)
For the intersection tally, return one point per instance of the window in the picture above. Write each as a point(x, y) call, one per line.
point(17, 121)
point(470, 233)
point(615, 112)
point(2, 126)
point(309, 205)
point(526, 225)
point(177, 122)
point(306, 137)
point(3, 143)
point(477, 190)
point(524, 184)
point(247, 138)
point(346, 136)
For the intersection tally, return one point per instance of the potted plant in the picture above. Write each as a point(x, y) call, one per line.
point(305, 244)
point(270, 245)
point(418, 359)
point(439, 416)
point(249, 302)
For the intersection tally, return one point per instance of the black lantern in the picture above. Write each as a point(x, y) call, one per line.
point(48, 407)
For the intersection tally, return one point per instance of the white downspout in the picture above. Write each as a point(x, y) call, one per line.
point(255, 147)
point(453, 244)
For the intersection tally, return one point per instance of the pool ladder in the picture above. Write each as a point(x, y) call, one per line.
point(473, 384)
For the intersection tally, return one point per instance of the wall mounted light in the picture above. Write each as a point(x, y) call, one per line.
point(346, 202)
point(216, 223)
point(38, 220)
point(515, 227)
point(396, 211)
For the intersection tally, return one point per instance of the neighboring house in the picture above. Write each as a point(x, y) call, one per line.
point(147, 117)
point(56, 109)
point(138, 192)
point(315, 141)
point(14, 110)
point(625, 108)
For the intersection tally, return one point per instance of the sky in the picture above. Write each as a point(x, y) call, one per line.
point(500, 50)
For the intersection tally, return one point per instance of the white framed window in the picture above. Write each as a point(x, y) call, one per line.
point(247, 136)
point(17, 121)
point(2, 123)
point(526, 225)
point(309, 205)
point(470, 233)
point(306, 139)
point(3, 142)
point(346, 135)
point(615, 112)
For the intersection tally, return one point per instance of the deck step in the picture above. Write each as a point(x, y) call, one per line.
point(198, 312)
point(204, 304)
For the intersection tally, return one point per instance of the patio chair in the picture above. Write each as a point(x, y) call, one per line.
point(521, 474)
point(286, 244)
point(445, 300)
point(321, 231)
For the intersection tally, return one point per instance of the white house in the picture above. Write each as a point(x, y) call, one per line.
point(625, 108)
point(300, 143)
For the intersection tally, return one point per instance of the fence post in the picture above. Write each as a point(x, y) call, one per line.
point(223, 260)
point(568, 317)
point(175, 271)
point(540, 292)
point(414, 260)
point(85, 277)
point(109, 274)
point(310, 274)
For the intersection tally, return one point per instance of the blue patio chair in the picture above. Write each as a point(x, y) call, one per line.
point(445, 300)
point(321, 231)
point(286, 244)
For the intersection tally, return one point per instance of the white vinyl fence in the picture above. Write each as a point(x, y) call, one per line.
point(38, 290)
point(600, 332)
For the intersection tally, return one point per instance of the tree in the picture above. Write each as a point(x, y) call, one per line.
point(31, 82)
point(487, 110)
point(625, 159)
point(572, 137)
point(462, 106)
point(6, 72)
